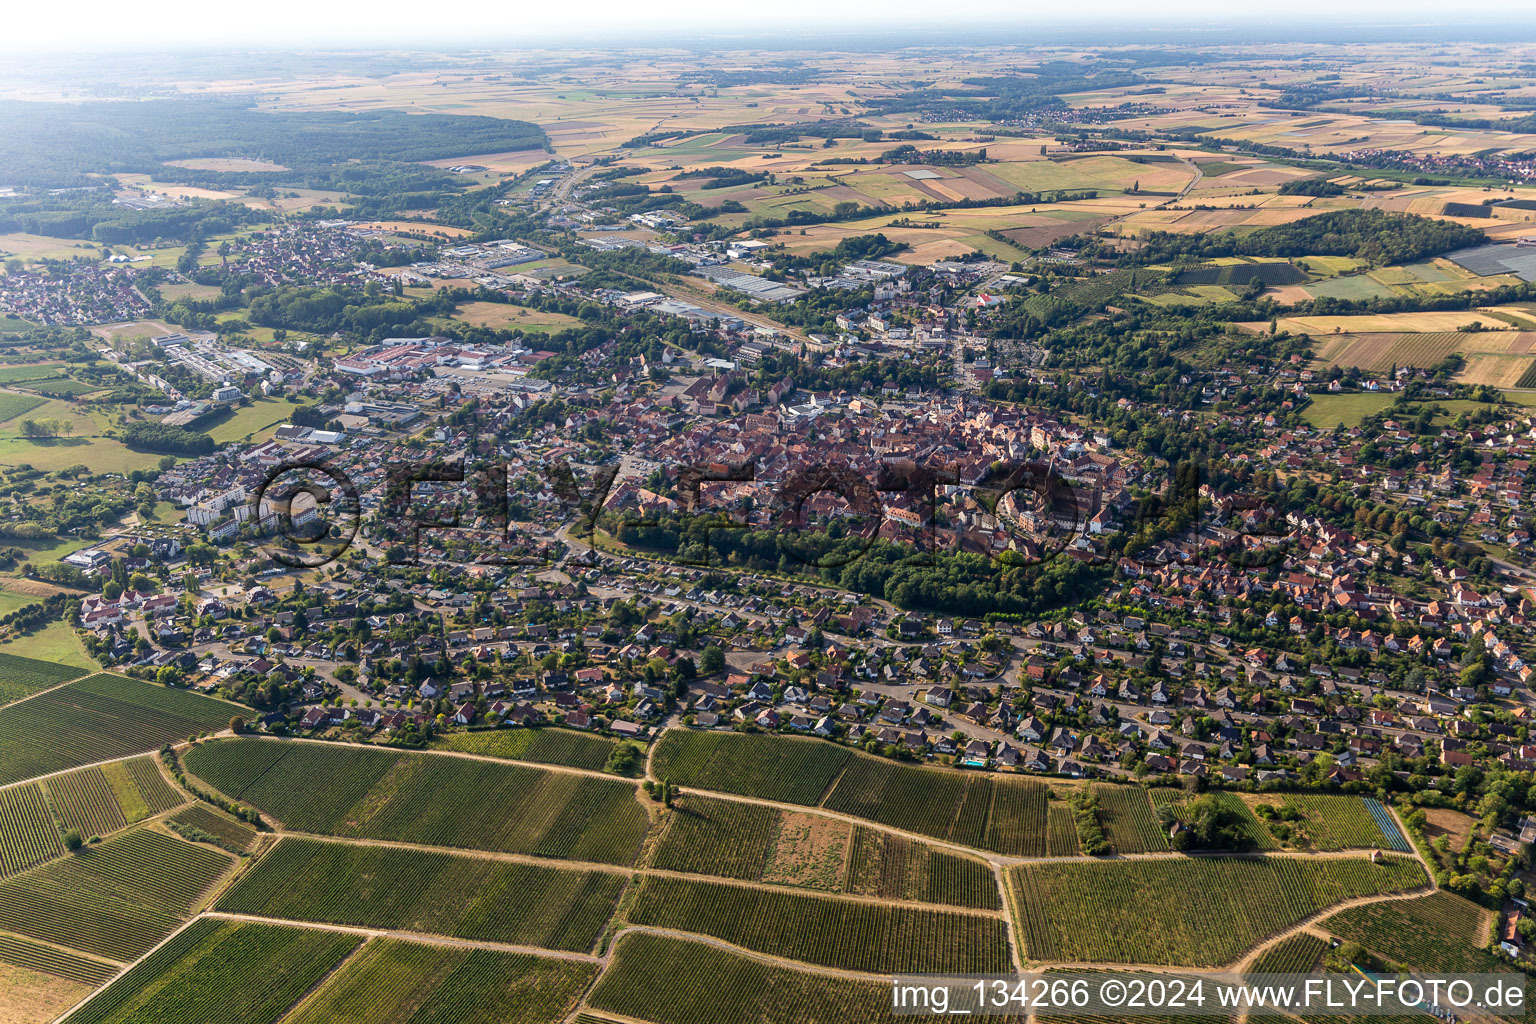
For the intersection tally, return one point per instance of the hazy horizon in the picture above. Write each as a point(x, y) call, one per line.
point(287, 24)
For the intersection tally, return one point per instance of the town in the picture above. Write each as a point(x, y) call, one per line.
point(486, 536)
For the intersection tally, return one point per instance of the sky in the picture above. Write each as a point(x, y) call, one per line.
point(107, 25)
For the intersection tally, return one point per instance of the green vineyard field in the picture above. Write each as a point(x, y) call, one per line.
point(233, 835)
point(34, 956)
point(718, 837)
point(1130, 824)
point(28, 834)
point(1007, 816)
point(1061, 832)
point(99, 801)
point(115, 899)
point(85, 802)
point(1295, 955)
point(365, 793)
point(428, 892)
point(833, 932)
point(99, 718)
point(1336, 822)
point(1257, 832)
point(795, 771)
point(1197, 912)
point(729, 839)
point(542, 746)
point(674, 981)
point(413, 983)
point(221, 972)
point(898, 868)
point(22, 677)
point(1441, 933)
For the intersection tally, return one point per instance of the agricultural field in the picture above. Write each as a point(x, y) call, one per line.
point(28, 834)
point(1499, 358)
point(1441, 932)
point(795, 771)
point(1130, 824)
point(1325, 412)
point(1061, 832)
point(541, 746)
point(85, 802)
point(222, 830)
point(755, 843)
point(897, 868)
point(1295, 955)
point(674, 981)
point(13, 405)
point(826, 930)
point(1335, 822)
point(221, 972)
point(22, 677)
point(29, 996)
point(1257, 832)
point(718, 837)
point(1195, 912)
point(1493, 318)
point(115, 899)
point(97, 801)
point(413, 983)
point(99, 718)
point(365, 793)
point(56, 643)
point(428, 892)
point(1007, 816)
point(34, 956)
point(507, 316)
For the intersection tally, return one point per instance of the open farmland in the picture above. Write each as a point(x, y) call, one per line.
point(28, 834)
point(1439, 932)
point(897, 868)
point(224, 831)
point(1003, 815)
point(22, 677)
point(1335, 822)
point(99, 718)
point(85, 802)
point(847, 934)
point(428, 892)
point(1493, 318)
point(718, 837)
point(1497, 358)
point(221, 972)
point(794, 771)
point(34, 956)
point(364, 793)
point(668, 980)
point(31, 996)
point(1327, 411)
point(115, 899)
point(765, 844)
point(1297, 954)
point(541, 746)
point(414, 983)
point(1195, 912)
point(97, 801)
point(1130, 824)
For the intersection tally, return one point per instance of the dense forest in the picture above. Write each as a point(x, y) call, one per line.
point(1372, 235)
point(93, 215)
point(58, 144)
point(1006, 98)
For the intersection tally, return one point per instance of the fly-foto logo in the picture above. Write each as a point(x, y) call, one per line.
point(822, 515)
